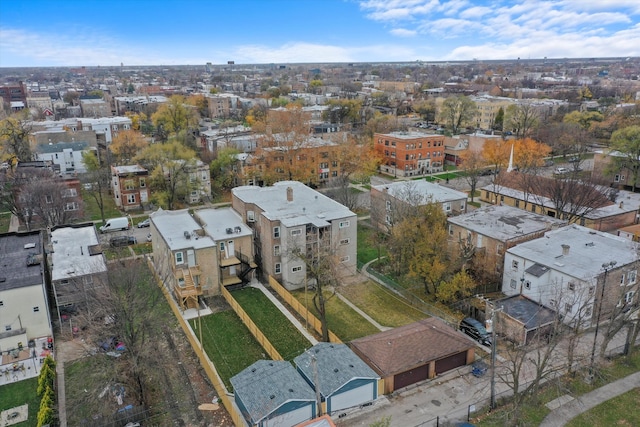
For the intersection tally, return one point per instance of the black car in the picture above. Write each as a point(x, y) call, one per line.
point(120, 241)
point(475, 330)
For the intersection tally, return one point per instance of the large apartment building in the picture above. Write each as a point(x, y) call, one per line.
point(289, 218)
point(407, 154)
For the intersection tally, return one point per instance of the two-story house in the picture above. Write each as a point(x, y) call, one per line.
point(68, 155)
point(484, 235)
point(24, 306)
point(389, 202)
point(570, 270)
point(410, 153)
point(130, 186)
point(289, 218)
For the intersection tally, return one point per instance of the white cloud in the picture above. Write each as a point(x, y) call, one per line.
point(401, 32)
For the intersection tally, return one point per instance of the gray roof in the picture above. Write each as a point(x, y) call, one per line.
point(588, 249)
point(337, 364)
point(308, 206)
point(71, 256)
point(60, 146)
point(530, 313)
point(268, 384)
point(505, 222)
point(124, 170)
point(175, 226)
point(430, 191)
point(17, 251)
point(217, 222)
point(410, 135)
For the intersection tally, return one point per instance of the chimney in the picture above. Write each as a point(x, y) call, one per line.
point(621, 204)
point(289, 194)
point(565, 249)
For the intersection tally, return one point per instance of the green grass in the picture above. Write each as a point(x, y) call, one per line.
point(19, 393)
point(382, 305)
point(92, 211)
point(285, 337)
point(88, 374)
point(142, 248)
point(366, 250)
point(228, 343)
point(619, 411)
point(342, 320)
point(5, 220)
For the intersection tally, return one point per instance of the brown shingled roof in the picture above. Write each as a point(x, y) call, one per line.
point(400, 349)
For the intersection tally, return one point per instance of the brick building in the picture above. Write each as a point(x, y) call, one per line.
point(410, 153)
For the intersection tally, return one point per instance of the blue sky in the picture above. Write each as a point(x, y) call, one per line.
point(144, 32)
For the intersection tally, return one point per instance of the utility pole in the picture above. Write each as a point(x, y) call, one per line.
point(606, 267)
point(493, 357)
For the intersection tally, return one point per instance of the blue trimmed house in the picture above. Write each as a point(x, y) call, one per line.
point(345, 381)
point(272, 393)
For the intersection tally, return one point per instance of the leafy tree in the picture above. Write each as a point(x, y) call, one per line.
point(583, 118)
point(343, 111)
point(14, 139)
point(174, 116)
point(222, 169)
point(498, 121)
point(126, 145)
point(459, 287)
point(626, 144)
point(381, 123)
point(521, 119)
point(315, 86)
point(170, 165)
point(473, 163)
point(96, 181)
point(201, 103)
point(426, 109)
point(457, 112)
point(496, 153)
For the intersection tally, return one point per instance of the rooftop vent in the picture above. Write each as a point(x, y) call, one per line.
point(187, 235)
point(237, 229)
point(30, 246)
point(229, 230)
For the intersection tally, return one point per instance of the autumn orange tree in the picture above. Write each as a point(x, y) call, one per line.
point(126, 145)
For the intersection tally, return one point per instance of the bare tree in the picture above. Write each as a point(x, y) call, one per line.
point(521, 119)
point(96, 181)
point(457, 112)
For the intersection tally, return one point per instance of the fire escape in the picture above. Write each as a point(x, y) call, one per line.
point(187, 286)
point(235, 271)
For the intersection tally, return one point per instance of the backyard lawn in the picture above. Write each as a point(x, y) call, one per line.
point(228, 343)
point(285, 337)
point(19, 393)
point(366, 250)
point(92, 211)
point(343, 321)
point(384, 306)
point(5, 219)
point(615, 412)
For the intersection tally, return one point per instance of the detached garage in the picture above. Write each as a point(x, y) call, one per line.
point(346, 381)
point(271, 393)
point(415, 352)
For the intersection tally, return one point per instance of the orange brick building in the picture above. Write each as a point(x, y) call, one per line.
point(410, 153)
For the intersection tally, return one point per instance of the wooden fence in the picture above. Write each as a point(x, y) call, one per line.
point(299, 307)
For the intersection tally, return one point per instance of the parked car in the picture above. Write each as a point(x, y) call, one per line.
point(561, 171)
point(548, 163)
point(119, 241)
point(145, 223)
point(475, 330)
point(574, 159)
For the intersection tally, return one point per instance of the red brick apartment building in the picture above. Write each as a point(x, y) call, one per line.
point(410, 153)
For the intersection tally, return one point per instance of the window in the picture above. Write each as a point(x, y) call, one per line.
point(296, 232)
point(1, 303)
point(179, 258)
point(296, 269)
point(628, 297)
point(7, 328)
point(345, 241)
point(592, 290)
point(513, 283)
point(622, 279)
point(129, 185)
point(70, 192)
point(527, 284)
point(71, 206)
point(446, 206)
point(276, 232)
point(344, 224)
point(131, 198)
point(387, 219)
point(388, 203)
point(514, 264)
point(251, 216)
point(517, 203)
point(631, 277)
point(533, 208)
point(276, 250)
point(48, 198)
point(221, 246)
point(344, 258)
point(143, 183)
point(36, 309)
point(499, 248)
point(450, 229)
point(462, 205)
point(568, 308)
point(278, 268)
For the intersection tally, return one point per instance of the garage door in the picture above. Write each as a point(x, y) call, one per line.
point(291, 418)
point(355, 397)
point(410, 377)
point(451, 362)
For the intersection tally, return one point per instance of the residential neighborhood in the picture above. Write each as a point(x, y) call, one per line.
point(307, 244)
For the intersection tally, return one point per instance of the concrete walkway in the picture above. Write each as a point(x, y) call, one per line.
point(572, 409)
point(285, 311)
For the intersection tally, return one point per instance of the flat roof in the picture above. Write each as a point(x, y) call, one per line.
point(175, 226)
point(410, 135)
point(404, 190)
point(505, 222)
point(307, 207)
point(17, 252)
point(128, 169)
point(218, 222)
point(71, 256)
point(588, 249)
point(530, 313)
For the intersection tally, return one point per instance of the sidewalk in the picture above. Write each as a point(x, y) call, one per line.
point(572, 409)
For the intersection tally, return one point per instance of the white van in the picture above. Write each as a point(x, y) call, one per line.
point(115, 224)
